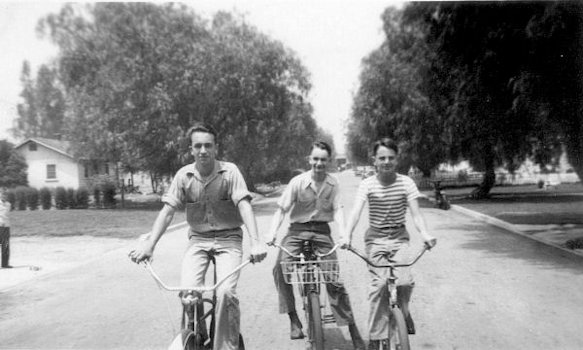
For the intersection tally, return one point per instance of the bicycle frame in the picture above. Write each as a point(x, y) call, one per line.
point(394, 309)
point(193, 305)
point(309, 288)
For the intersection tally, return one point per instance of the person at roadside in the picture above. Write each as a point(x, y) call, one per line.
point(389, 194)
point(5, 207)
point(217, 204)
point(313, 200)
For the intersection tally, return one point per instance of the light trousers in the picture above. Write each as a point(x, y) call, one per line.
point(379, 247)
point(227, 249)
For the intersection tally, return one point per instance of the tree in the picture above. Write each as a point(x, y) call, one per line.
point(392, 101)
point(42, 111)
point(12, 166)
point(138, 75)
point(512, 86)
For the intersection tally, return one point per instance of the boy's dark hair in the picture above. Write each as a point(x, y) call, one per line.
point(201, 127)
point(323, 145)
point(385, 142)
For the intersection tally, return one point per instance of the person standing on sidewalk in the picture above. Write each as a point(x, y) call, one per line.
point(313, 198)
point(388, 195)
point(217, 203)
point(5, 207)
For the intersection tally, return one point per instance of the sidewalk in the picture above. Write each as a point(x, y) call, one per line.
point(552, 234)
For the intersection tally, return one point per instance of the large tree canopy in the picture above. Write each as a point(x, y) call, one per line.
point(138, 75)
point(516, 79)
point(391, 100)
point(493, 83)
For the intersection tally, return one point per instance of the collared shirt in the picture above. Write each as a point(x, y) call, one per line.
point(211, 203)
point(4, 210)
point(307, 203)
point(387, 204)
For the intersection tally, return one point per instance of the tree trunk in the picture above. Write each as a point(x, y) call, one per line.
point(483, 191)
point(574, 149)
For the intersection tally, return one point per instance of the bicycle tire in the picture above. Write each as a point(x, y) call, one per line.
point(316, 332)
point(398, 334)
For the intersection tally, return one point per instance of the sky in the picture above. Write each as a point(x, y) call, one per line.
point(330, 37)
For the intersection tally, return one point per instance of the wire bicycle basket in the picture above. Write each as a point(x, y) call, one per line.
point(311, 272)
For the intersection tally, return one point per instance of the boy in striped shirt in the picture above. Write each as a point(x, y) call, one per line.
point(389, 195)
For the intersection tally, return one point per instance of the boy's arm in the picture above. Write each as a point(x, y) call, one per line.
point(146, 248)
point(420, 224)
point(258, 251)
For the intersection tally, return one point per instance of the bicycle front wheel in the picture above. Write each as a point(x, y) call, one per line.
point(316, 333)
point(398, 335)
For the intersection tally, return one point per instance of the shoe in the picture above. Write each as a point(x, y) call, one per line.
point(296, 333)
point(410, 324)
point(7, 267)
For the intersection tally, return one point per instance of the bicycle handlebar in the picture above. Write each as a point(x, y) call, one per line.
point(300, 256)
point(392, 264)
point(200, 289)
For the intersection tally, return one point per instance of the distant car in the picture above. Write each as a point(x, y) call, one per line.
point(368, 172)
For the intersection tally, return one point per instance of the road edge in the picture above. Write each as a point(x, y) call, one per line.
point(509, 227)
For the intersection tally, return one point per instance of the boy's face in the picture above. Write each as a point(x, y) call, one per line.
point(204, 148)
point(318, 160)
point(385, 160)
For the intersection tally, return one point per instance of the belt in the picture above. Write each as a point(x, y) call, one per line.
point(312, 226)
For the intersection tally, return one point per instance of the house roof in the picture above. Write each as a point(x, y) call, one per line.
point(60, 146)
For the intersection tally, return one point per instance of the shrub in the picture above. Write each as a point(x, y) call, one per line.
point(82, 198)
point(20, 194)
point(61, 198)
point(96, 197)
point(71, 198)
point(32, 198)
point(11, 198)
point(46, 198)
point(108, 191)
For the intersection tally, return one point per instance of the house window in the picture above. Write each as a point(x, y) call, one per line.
point(86, 170)
point(107, 168)
point(32, 146)
point(51, 171)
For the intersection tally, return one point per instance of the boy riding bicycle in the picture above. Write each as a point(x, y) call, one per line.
point(217, 203)
point(313, 200)
point(388, 195)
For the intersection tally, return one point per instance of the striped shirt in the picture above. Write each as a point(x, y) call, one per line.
point(387, 205)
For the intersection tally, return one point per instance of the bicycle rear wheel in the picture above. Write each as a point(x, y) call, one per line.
point(314, 318)
point(398, 335)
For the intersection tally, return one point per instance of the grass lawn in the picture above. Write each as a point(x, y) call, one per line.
point(526, 204)
point(127, 223)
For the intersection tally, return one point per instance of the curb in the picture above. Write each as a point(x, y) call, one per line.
point(509, 227)
point(170, 229)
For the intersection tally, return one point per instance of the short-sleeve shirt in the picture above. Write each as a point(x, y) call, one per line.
point(306, 202)
point(387, 204)
point(205, 196)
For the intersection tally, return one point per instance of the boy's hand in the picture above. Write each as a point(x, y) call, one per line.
point(344, 243)
point(430, 242)
point(258, 252)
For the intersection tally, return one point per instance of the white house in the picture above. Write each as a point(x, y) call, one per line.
point(51, 164)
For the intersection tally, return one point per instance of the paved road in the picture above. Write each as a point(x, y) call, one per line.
point(480, 288)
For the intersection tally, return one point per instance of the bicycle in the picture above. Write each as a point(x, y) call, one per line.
point(398, 337)
point(307, 273)
point(193, 334)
